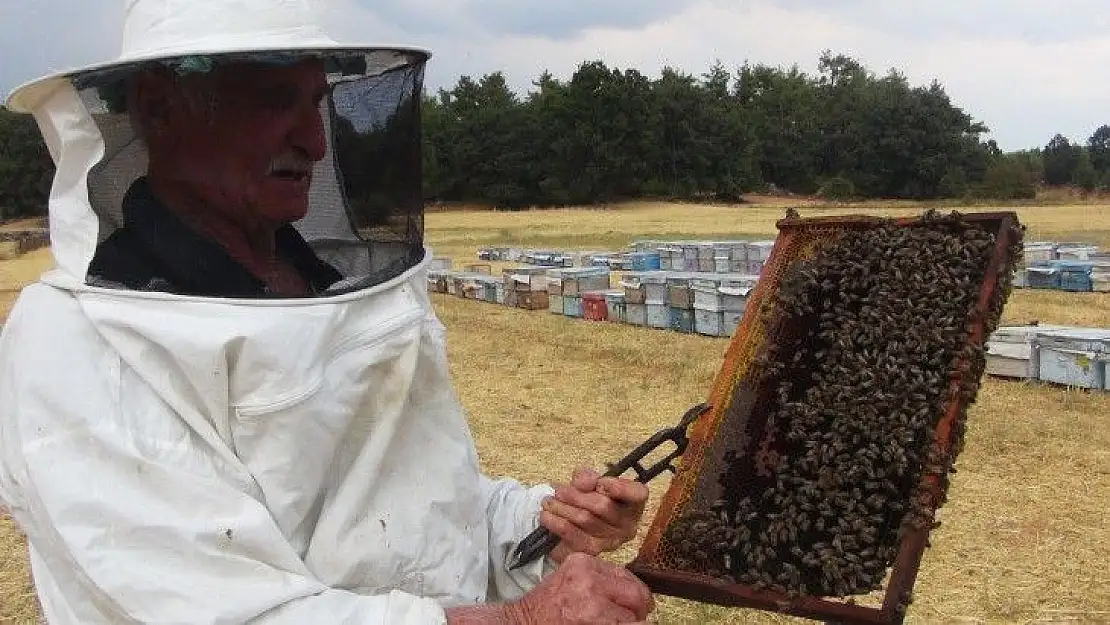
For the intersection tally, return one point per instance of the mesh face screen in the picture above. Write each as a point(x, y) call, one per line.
point(364, 209)
point(376, 147)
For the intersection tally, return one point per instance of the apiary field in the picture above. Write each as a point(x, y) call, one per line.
point(1024, 536)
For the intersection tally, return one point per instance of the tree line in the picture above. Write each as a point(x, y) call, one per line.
point(841, 133)
point(607, 134)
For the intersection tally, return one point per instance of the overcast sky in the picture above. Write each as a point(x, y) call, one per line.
point(1026, 68)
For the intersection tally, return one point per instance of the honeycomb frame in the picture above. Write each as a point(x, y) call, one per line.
point(735, 385)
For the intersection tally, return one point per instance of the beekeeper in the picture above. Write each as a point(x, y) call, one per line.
point(229, 401)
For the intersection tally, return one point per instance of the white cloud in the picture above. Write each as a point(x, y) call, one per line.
point(1026, 68)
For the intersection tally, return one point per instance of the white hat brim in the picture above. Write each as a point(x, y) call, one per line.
point(26, 97)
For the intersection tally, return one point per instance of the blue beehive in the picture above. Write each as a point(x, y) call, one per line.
point(1075, 275)
point(682, 319)
point(1042, 275)
point(645, 261)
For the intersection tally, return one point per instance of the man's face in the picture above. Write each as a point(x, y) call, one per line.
point(243, 139)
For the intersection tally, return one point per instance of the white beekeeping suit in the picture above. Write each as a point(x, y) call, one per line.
point(186, 459)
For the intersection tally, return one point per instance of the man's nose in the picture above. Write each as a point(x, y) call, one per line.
point(308, 134)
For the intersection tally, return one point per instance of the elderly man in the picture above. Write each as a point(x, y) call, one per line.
point(205, 420)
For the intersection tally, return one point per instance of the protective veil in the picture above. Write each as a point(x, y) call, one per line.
point(179, 459)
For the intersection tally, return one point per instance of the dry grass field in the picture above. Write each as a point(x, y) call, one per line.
point(1026, 531)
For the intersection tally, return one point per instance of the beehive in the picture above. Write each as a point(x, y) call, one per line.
point(1100, 276)
point(635, 314)
point(658, 316)
point(670, 258)
point(1038, 251)
point(1076, 251)
point(437, 280)
point(816, 476)
point(689, 258)
point(707, 294)
point(528, 300)
point(679, 292)
point(572, 305)
point(615, 306)
point(1073, 356)
point(645, 261)
point(681, 319)
point(1042, 274)
point(525, 279)
point(634, 288)
point(555, 304)
point(655, 287)
point(706, 262)
point(1075, 275)
point(594, 307)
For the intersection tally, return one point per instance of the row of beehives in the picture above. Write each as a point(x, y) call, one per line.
point(1065, 275)
point(1079, 267)
point(713, 305)
point(17, 242)
point(692, 302)
point(1052, 250)
point(723, 257)
point(731, 256)
point(1074, 356)
point(726, 257)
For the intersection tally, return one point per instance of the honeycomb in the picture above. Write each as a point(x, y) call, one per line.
point(841, 408)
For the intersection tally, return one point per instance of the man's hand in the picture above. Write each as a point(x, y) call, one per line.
point(584, 589)
point(594, 514)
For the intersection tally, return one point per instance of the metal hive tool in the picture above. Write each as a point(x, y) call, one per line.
point(768, 510)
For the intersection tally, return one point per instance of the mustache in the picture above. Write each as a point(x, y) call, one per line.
point(292, 162)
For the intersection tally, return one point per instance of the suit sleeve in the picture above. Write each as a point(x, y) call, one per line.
point(513, 512)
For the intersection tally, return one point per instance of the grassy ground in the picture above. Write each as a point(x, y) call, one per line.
point(1025, 532)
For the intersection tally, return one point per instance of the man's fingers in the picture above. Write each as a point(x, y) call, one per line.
point(570, 534)
point(613, 613)
point(628, 591)
point(632, 598)
point(582, 519)
point(597, 504)
point(626, 491)
point(585, 479)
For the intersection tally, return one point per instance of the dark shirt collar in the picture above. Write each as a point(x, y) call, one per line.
point(192, 263)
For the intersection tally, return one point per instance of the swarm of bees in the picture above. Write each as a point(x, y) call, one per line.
point(867, 346)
